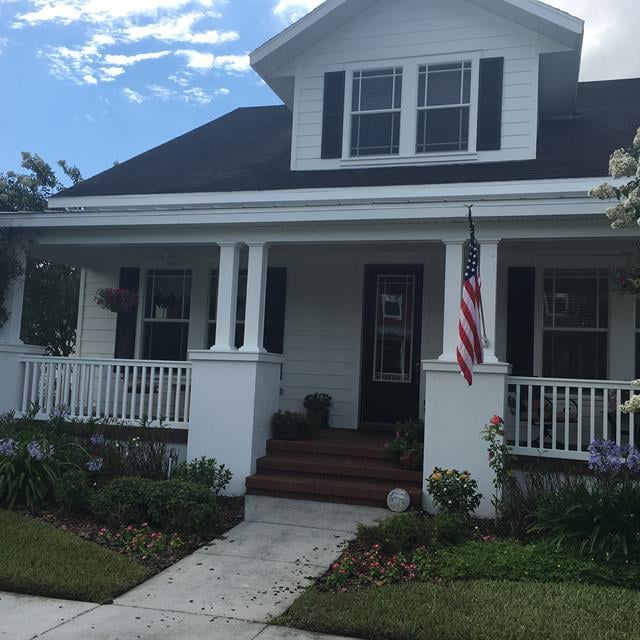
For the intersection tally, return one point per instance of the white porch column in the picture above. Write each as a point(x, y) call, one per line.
point(489, 280)
point(10, 331)
point(12, 347)
point(454, 255)
point(227, 297)
point(256, 292)
point(233, 397)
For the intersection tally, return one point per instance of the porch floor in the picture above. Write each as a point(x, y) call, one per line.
point(335, 465)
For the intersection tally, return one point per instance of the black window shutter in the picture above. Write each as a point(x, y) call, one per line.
point(126, 322)
point(275, 302)
point(520, 319)
point(333, 114)
point(490, 104)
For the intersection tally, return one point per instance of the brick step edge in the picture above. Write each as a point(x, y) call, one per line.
point(334, 489)
point(319, 447)
point(351, 468)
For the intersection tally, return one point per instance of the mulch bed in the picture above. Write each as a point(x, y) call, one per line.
point(85, 526)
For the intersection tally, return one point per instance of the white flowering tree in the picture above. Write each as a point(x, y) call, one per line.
point(624, 163)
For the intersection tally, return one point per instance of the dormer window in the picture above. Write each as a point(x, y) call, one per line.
point(444, 103)
point(375, 112)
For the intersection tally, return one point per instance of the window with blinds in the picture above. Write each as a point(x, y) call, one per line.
point(576, 314)
point(375, 112)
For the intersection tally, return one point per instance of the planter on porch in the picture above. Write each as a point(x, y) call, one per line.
point(288, 425)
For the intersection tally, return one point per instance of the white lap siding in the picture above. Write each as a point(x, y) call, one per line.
point(96, 327)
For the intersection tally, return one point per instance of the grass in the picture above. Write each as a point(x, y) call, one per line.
point(471, 610)
point(38, 559)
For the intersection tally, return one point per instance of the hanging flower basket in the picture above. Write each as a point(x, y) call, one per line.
point(626, 279)
point(117, 300)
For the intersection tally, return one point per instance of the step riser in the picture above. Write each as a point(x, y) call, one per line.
point(321, 448)
point(299, 466)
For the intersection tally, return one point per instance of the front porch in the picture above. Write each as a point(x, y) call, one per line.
point(227, 334)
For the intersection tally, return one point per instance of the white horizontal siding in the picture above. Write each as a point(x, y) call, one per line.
point(97, 333)
point(393, 30)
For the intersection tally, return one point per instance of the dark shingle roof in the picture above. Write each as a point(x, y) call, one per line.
point(249, 150)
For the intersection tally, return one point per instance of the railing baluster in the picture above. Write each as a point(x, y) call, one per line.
point(178, 393)
point(125, 392)
point(143, 382)
point(134, 392)
point(554, 416)
point(592, 415)
point(51, 374)
point(107, 391)
point(567, 393)
point(187, 397)
point(82, 390)
point(159, 415)
point(34, 388)
point(99, 395)
point(152, 385)
point(618, 417)
point(116, 388)
point(579, 425)
point(529, 414)
point(25, 386)
point(605, 414)
point(167, 410)
point(517, 421)
point(542, 405)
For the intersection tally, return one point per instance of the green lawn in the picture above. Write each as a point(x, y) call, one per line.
point(41, 560)
point(471, 610)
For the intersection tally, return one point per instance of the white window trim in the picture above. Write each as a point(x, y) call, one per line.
point(409, 112)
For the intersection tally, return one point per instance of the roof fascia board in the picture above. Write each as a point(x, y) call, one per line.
point(297, 197)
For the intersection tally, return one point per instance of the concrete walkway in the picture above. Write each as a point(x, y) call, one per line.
point(229, 589)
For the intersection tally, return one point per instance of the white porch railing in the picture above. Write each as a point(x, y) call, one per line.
point(126, 391)
point(558, 418)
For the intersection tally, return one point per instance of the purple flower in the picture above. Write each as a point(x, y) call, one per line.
point(633, 460)
point(8, 447)
point(97, 439)
point(40, 451)
point(95, 464)
point(605, 457)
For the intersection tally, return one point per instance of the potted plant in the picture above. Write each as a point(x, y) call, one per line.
point(317, 406)
point(290, 425)
point(117, 300)
point(407, 446)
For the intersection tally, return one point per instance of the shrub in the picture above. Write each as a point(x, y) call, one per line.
point(28, 471)
point(122, 501)
point(178, 505)
point(175, 505)
point(454, 491)
point(404, 532)
point(289, 425)
point(601, 520)
point(205, 471)
point(72, 491)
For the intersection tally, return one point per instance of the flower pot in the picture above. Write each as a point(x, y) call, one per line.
point(319, 418)
point(290, 426)
point(410, 461)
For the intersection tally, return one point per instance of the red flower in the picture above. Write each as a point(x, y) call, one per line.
point(496, 420)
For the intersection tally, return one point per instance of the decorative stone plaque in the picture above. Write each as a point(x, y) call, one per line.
point(398, 500)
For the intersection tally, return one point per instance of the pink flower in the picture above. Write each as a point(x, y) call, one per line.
point(496, 420)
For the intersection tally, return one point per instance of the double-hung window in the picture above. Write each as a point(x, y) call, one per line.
point(576, 313)
point(166, 314)
point(444, 106)
point(375, 112)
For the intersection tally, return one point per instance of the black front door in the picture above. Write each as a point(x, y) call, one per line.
point(391, 344)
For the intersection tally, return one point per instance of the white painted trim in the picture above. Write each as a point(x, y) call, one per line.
point(234, 356)
point(462, 191)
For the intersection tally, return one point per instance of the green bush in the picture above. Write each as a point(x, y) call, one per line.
point(180, 505)
point(175, 505)
point(404, 532)
point(73, 491)
point(601, 520)
point(205, 471)
point(122, 501)
point(453, 491)
point(290, 425)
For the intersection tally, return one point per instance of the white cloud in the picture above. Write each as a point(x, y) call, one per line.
point(133, 96)
point(200, 61)
point(104, 11)
point(223, 91)
point(126, 61)
point(178, 29)
point(291, 10)
point(112, 72)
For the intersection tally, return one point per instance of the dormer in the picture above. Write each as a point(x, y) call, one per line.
point(422, 82)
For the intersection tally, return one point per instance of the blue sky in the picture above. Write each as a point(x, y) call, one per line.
point(94, 81)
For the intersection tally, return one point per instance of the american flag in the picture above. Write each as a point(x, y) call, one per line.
point(470, 347)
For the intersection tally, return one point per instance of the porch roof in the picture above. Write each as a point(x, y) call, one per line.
point(249, 150)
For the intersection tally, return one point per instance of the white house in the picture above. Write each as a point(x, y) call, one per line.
point(318, 245)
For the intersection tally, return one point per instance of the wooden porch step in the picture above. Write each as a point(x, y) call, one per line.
point(307, 486)
point(328, 447)
point(337, 467)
